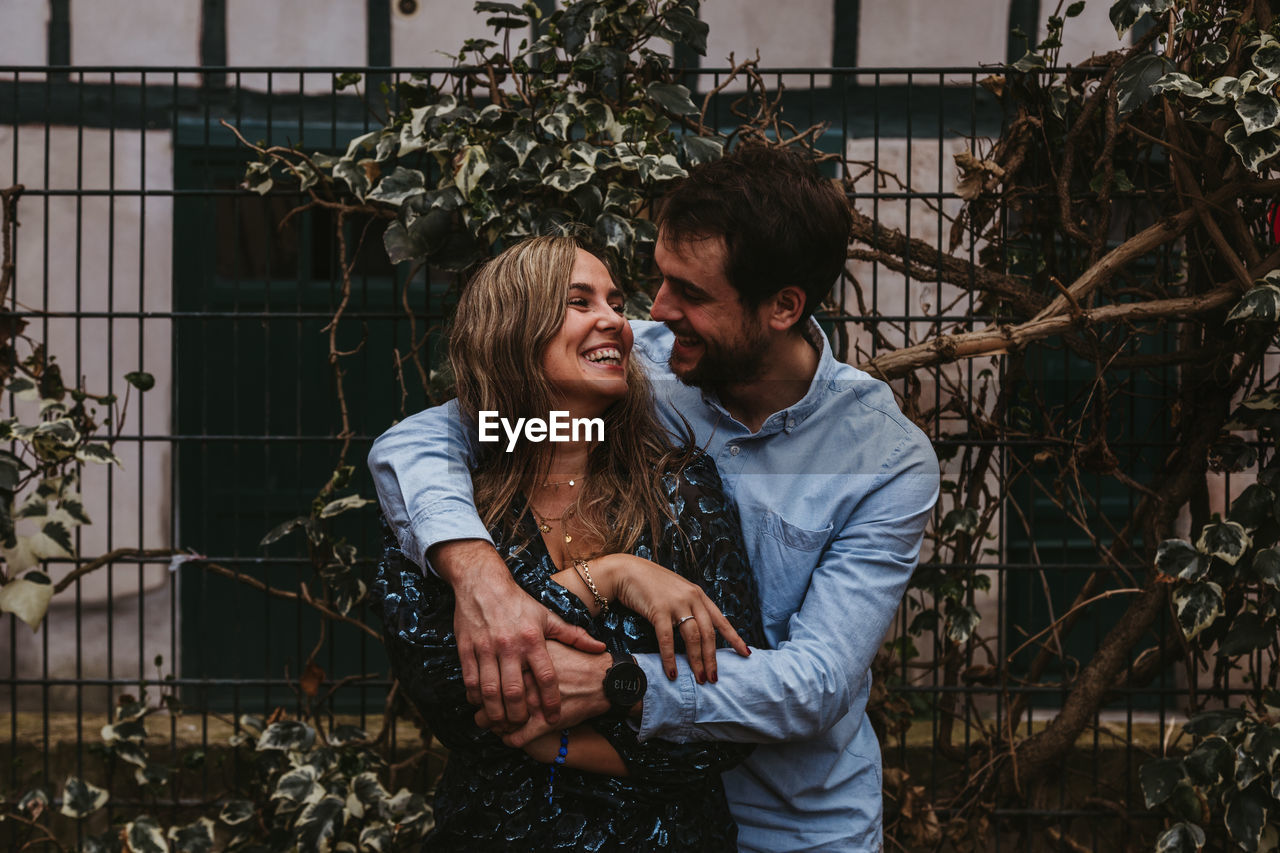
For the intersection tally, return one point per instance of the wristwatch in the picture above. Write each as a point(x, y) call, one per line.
point(624, 684)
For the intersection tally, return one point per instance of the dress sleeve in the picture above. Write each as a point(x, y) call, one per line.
point(705, 546)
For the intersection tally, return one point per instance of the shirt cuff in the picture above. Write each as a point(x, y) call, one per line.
point(669, 706)
point(445, 521)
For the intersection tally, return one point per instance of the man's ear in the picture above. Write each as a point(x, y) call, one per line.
point(785, 308)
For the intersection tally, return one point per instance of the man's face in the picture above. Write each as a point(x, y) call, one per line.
point(718, 340)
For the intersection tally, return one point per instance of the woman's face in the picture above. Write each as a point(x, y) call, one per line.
point(586, 362)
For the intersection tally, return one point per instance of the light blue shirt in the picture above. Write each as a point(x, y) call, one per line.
point(834, 493)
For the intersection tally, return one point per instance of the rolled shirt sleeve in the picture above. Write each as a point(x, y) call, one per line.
point(812, 679)
point(422, 473)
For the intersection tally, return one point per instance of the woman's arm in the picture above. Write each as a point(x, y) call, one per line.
point(704, 546)
point(588, 750)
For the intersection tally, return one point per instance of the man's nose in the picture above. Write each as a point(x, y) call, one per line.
point(664, 309)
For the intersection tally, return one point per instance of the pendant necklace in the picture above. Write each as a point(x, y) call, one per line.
point(572, 481)
point(544, 524)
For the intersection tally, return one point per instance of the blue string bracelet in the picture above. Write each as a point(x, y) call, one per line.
point(557, 762)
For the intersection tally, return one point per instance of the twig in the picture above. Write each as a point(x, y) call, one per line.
point(285, 594)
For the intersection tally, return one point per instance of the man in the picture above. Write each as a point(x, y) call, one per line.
point(833, 483)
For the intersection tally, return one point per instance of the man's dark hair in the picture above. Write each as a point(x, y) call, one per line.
point(782, 222)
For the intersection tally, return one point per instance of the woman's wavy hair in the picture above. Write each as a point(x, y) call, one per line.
point(507, 315)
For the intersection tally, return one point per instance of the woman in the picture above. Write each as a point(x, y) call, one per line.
point(540, 329)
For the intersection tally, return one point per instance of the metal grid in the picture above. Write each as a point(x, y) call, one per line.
point(244, 431)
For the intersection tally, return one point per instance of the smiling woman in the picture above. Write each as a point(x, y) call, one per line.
point(610, 528)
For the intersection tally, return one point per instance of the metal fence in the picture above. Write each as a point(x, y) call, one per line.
point(138, 251)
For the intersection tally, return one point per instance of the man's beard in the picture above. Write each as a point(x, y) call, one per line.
point(721, 364)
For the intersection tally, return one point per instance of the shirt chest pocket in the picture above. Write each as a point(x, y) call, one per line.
point(788, 555)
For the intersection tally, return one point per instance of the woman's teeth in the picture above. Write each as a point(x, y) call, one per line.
point(604, 356)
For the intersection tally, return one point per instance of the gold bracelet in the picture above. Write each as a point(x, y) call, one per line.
point(584, 572)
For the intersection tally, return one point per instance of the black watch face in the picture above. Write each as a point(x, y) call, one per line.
point(624, 683)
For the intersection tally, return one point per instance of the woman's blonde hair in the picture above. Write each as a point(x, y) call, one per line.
point(506, 317)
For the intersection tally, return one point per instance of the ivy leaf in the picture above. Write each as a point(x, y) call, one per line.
point(1181, 838)
point(1254, 149)
point(1177, 82)
point(1225, 540)
point(469, 166)
point(520, 144)
point(1260, 304)
point(298, 785)
point(702, 149)
point(141, 380)
point(1221, 722)
point(1267, 59)
point(33, 803)
point(1159, 778)
point(1258, 111)
point(1266, 566)
point(341, 505)
point(235, 812)
point(1198, 606)
point(962, 621)
point(1231, 454)
point(672, 97)
point(1253, 507)
point(401, 184)
point(376, 837)
point(287, 735)
point(1248, 632)
point(1211, 762)
point(1135, 81)
point(1246, 815)
point(1075, 9)
point(99, 454)
point(963, 520)
point(281, 530)
point(195, 837)
point(27, 598)
point(81, 799)
point(144, 836)
point(319, 823)
point(567, 180)
point(1214, 53)
point(1125, 13)
point(615, 232)
point(1178, 559)
point(1263, 744)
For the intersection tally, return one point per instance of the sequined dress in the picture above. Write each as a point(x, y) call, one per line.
point(492, 797)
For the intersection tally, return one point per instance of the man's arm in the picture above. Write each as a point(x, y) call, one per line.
point(810, 681)
point(422, 476)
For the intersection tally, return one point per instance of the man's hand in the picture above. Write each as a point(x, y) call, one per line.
point(502, 634)
point(581, 677)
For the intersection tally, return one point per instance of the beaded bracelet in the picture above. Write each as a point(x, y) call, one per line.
point(556, 762)
point(584, 572)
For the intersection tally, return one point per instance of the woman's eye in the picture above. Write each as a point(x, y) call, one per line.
point(578, 301)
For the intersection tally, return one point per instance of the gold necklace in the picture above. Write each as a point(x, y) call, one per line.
point(544, 524)
point(572, 481)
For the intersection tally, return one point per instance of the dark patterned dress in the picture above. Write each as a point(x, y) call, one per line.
point(492, 797)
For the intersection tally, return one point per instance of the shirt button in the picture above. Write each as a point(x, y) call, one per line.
point(733, 451)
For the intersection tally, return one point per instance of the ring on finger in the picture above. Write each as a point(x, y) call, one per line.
point(682, 620)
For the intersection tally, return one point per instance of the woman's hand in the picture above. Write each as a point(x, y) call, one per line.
point(668, 601)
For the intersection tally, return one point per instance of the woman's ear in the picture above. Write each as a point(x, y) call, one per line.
point(785, 308)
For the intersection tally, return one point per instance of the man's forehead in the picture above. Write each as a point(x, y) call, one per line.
point(695, 248)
